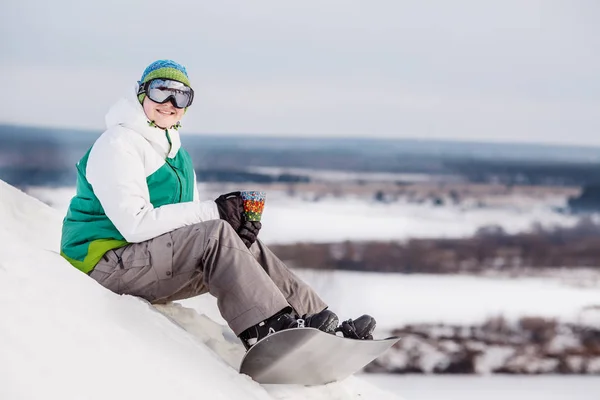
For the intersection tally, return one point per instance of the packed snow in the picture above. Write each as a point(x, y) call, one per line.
point(64, 336)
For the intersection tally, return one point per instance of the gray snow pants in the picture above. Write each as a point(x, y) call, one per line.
point(250, 285)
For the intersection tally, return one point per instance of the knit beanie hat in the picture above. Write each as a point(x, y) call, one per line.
point(165, 69)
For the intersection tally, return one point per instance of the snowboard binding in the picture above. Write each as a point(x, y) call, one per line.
point(361, 328)
point(287, 318)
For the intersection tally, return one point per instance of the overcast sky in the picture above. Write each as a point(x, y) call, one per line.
point(506, 70)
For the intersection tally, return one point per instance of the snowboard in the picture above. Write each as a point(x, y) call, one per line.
point(308, 356)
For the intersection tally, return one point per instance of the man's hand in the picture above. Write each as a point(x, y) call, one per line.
point(249, 231)
point(231, 209)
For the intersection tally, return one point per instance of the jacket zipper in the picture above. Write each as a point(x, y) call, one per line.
point(173, 168)
point(178, 179)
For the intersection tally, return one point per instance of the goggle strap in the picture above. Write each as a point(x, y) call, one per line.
point(142, 88)
point(191, 97)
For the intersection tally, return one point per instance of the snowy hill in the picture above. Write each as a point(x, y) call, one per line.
point(64, 336)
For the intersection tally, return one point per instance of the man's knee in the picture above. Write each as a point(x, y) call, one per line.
point(202, 229)
point(219, 226)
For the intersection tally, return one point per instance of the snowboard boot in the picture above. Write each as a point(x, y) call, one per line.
point(325, 321)
point(361, 328)
point(284, 319)
point(287, 318)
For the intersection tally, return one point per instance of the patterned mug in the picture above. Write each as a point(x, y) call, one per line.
point(254, 204)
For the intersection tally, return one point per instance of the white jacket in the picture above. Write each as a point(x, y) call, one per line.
point(122, 158)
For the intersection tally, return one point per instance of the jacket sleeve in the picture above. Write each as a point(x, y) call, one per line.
point(115, 170)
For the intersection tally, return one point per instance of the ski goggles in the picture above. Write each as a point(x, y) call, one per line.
point(163, 90)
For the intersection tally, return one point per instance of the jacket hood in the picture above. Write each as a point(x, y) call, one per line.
point(129, 113)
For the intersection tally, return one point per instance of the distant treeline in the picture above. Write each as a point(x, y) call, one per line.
point(531, 345)
point(48, 156)
point(588, 201)
point(491, 249)
point(527, 173)
point(40, 176)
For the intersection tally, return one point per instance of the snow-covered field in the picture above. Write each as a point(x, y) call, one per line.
point(494, 387)
point(294, 219)
point(398, 299)
point(321, 175)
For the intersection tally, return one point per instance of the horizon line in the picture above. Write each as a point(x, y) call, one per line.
point(297, 136)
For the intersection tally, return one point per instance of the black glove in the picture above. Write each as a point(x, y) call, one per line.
point(249, 231)
point(231, 209)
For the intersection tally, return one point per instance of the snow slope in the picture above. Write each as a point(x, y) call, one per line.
point(64, 336)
